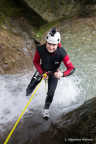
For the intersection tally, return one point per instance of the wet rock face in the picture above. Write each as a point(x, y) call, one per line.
point(54, 10)
point(79, 124)
point(76, 126)
point(15, 52)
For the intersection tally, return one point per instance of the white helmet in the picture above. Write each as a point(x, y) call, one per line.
point(53, 37)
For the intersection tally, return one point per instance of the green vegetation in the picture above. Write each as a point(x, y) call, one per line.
point(44, 28)
point(41, 31)
point(8, 8)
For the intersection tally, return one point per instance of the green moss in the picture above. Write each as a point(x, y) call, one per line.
point(8, 8)
point(2, 17)
point(41, 31)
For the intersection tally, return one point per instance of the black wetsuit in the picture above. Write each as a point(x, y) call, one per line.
point(50, 62)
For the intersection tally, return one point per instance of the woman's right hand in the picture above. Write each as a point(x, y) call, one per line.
point(58, 74)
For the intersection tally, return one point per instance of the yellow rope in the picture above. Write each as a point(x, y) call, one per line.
point(22, 113)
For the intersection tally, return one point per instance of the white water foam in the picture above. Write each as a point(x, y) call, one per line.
point(13, 99)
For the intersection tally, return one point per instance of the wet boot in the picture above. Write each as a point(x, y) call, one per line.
point(46, 114)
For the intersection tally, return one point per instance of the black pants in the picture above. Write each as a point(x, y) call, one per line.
point(36, 78)
point(52, 84)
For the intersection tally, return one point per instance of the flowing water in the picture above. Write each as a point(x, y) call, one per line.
point(70, 93)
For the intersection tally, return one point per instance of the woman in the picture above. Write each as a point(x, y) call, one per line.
point(47, 59)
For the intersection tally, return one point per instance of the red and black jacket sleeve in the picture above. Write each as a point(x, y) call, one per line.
point(69, 66)
point(36, 62)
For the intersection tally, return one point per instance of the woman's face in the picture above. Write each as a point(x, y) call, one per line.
point(51, 47)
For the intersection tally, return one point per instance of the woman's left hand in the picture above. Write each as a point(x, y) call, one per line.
point(58, 74)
